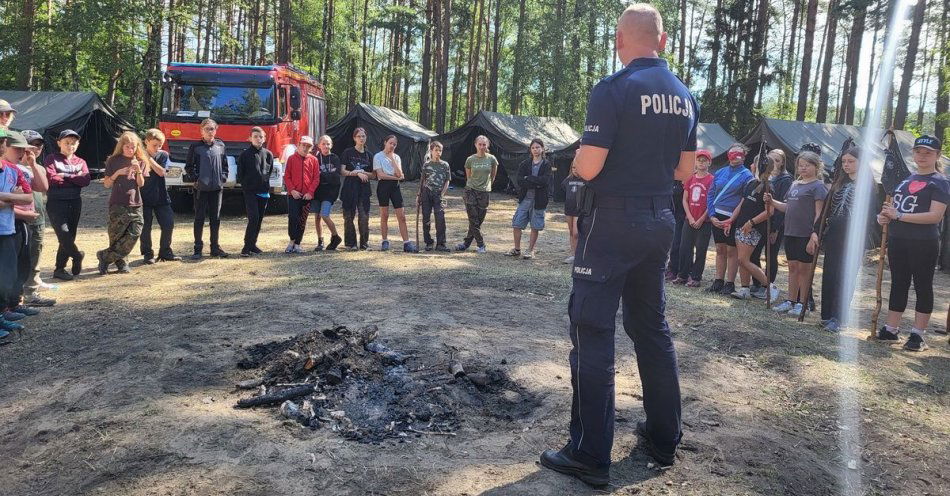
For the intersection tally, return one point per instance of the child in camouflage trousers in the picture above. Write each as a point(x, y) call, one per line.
point(125, 174)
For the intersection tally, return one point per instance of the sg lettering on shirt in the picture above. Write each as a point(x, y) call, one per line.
point(665, 104)
point(905, 203)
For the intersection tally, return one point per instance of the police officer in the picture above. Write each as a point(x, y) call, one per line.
point(640, 134)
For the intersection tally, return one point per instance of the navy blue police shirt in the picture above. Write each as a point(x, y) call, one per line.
point(646, 117)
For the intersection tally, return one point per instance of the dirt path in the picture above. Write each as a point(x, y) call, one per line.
point(126, 387)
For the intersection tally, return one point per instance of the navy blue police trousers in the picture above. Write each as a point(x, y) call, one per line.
point(621, 254)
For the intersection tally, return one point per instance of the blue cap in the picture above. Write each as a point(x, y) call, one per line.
point(926, 141)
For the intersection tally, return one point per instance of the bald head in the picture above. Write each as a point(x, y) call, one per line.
point(640, 31)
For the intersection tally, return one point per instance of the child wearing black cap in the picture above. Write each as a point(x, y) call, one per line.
point(67, 175)
point(919, 204)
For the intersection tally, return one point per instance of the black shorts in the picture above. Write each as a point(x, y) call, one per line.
point(387, 192)
point(795, 249)
point(570, 207)
point(720, 237)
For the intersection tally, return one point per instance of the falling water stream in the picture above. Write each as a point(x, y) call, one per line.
point(850, 478)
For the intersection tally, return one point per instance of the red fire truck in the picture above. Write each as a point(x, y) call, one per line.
point(283, 100)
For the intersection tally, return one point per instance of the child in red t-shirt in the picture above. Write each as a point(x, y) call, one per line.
point(696, 229)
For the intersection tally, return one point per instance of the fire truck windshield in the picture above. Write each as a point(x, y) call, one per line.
point(225, 104)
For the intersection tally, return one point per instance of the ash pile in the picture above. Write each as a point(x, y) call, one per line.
point(349, 382)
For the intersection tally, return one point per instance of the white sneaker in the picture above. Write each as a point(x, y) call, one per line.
point(569, 260)
point(482, 249)
point(741, 294)
point(783, 307)
point(290, 248)
point(775, 293)
point(298, 249)
point(797, 310)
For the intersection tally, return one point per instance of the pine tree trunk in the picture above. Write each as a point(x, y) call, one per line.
point(517, 69)
point(822, 111)
point(328, 40)
point(813, 92)
point(718, 27)
point(757, 48)
point(473, 73)
point(208, 26)
point(364, 95)
point(903, 96)
point(405, 68)
point(198, 30)
point(682, 47)
point(853, 63)
point(424, 100)
point(924, 95)
point(456, 87)
point(26, 23)
point(443, 88)
point(942, 108)
point(496, 54)
point(791, 64)
point(810, 18)
point(694, 44)
point(557, 90)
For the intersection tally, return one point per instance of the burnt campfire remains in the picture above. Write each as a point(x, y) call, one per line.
point(349, 382)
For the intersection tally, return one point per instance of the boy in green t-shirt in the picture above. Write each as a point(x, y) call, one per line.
point(435, 182)
point(480, 171)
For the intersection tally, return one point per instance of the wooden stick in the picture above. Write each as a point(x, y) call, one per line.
point(422, 184)
point(279, 397)
point(880, 278)
point(432, 433)
point(768, 249)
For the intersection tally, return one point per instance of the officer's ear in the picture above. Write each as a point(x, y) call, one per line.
point(662, 45)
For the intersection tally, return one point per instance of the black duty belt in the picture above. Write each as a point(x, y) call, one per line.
point(657, 202)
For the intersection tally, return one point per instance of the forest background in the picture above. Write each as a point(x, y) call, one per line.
point(443, 60)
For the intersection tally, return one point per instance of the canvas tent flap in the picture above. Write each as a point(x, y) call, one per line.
point(510, 137)
point(412, 138)
point(791, 135)
point(713, 137)
point(49, 112)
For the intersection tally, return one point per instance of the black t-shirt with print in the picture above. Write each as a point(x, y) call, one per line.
point(752, 205)
point(914, 196)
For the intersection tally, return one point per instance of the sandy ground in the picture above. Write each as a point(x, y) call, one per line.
point(126, 386)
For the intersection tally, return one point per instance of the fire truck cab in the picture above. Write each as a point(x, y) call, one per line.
point(284, 101)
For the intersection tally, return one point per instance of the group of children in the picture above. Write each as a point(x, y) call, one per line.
point(736, 204)
point(314, 180)
point(27, 176)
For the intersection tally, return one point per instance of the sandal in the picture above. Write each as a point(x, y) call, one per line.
point(514, 252)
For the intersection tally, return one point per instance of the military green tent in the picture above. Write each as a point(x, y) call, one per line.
point(49, 112)
point(716, 139)
point(412, 138)
point(791, 135)
point(510, 137)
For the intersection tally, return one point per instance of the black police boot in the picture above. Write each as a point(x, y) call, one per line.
point(664, 459)
point(560, 461)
